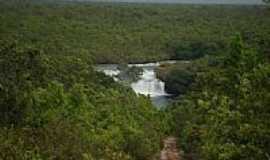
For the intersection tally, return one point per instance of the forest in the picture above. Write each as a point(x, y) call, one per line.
point(118, 33)
point(54, 105)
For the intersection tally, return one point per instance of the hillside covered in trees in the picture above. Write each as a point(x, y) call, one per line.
point(113, 33)
point(224, 111)
point(55, 106)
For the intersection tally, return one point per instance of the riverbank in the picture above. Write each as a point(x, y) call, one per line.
point(146, 84)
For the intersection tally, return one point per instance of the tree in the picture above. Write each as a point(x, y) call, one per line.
point(228, 111)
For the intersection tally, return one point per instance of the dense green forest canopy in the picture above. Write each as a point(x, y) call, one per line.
point(225, 114)
point(131, 32)
point(58, 107)
point(54, 105)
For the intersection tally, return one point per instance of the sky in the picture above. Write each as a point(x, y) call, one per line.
point(188, 1)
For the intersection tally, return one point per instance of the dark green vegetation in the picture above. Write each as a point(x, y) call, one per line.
point(129, 74)
point(178, 77)
point(57, 107)
point(131, 32)
point(225, 114)
point(54, 106)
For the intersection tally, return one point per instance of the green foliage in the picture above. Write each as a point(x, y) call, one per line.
point(179, 77)
point(195, 50)
point(53, 105)
point(114, 33)
point(57, 107)
point(20, 72)
point(129, 74)
point(178, 81)
point(226, 115)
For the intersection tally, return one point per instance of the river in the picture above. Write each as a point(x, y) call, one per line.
point(148, 84)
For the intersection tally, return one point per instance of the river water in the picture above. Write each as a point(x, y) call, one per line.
point(148, 84)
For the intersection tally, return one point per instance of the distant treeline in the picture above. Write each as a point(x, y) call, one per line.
point(110, 32)
point(54, 105)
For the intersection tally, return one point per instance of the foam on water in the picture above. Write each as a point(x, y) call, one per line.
point(148, 84)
